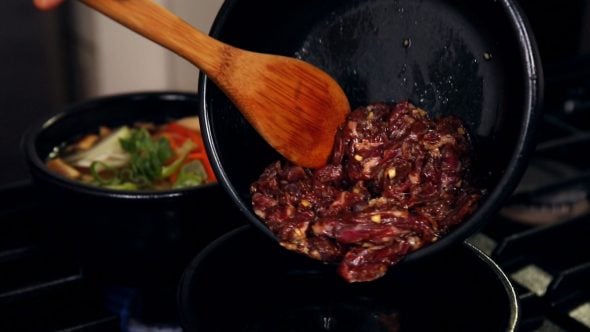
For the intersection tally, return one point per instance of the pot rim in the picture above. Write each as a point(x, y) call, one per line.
point(37, 165)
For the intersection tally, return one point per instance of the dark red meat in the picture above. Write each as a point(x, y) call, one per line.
point(397, 182)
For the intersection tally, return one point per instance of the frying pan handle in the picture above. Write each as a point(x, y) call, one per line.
point(156, 23)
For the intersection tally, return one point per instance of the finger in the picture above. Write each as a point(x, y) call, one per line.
point(47, 4)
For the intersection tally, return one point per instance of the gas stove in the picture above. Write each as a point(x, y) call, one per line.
point(539, 239)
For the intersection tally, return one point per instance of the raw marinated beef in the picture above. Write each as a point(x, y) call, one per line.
point(397, 181)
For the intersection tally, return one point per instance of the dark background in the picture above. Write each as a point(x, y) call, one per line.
point(35, 76)
point(38, 75)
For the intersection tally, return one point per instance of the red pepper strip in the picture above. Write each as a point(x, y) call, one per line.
point(199, 153)
point(174, 176)
point(185, 132)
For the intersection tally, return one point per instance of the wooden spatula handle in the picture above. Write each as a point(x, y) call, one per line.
point(163, 27)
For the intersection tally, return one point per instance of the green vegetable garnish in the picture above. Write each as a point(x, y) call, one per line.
point(147, 164)
point(147, 155)
point(191, 174)
point(123, 186)
point(183, 152)
point(103, 179)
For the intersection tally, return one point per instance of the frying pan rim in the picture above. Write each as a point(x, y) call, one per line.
point(532, 101)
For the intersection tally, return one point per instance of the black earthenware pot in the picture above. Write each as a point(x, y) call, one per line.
point(130, 237)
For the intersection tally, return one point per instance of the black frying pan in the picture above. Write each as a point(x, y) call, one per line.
point(262, 288)
point(474, 59)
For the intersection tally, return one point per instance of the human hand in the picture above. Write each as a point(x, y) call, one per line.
point(47, 4)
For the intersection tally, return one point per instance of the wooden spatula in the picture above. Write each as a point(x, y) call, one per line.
point(293, 105)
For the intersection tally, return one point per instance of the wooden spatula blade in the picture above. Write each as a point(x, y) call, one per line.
point(295, 106)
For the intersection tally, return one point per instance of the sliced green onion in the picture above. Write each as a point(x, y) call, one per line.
point(184, 150)
point(98, 166)
point(123, 186)
point(191, 174)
